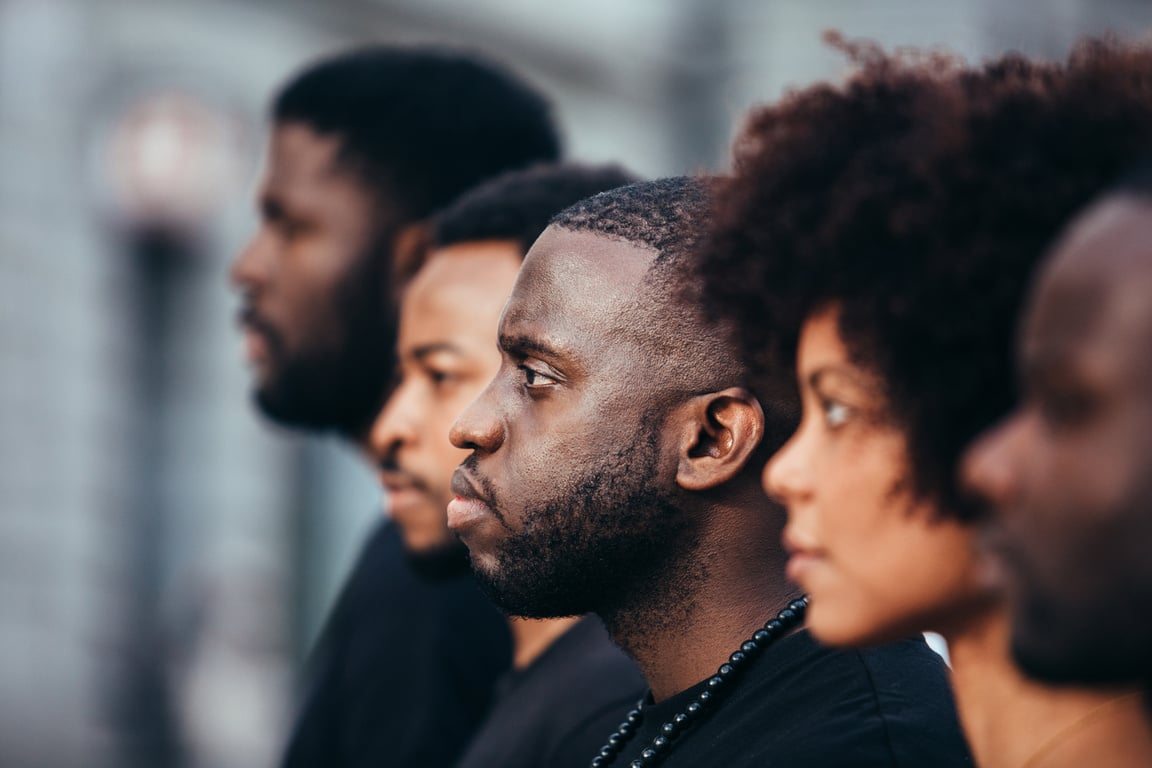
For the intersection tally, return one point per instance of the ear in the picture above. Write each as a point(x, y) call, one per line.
point(409, 249)
point(721, 431)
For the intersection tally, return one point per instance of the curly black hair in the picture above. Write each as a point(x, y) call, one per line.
point(422, 124)
point(519, 205)
point(917, 198)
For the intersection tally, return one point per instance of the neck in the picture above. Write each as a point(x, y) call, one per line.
point(708, 602)
point(1013, 722)
point(531, 637)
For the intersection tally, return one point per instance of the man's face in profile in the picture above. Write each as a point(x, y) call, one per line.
point(447, 354)
point(1071, 471)
point(566, 498)
point(315, 287)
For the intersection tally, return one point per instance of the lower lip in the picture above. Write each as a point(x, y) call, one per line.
point(255, 346)
point(798, 567)
point(465, 512)
point(400, 496)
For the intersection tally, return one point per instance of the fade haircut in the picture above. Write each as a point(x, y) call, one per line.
point(917, 198)
point(421, 125)
point(518, 206)
point(671, 217)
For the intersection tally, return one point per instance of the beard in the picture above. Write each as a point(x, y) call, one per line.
point(341, 386)
point(445, 562)
point(610, 541)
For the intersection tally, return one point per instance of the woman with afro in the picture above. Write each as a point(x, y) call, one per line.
point(875, 243)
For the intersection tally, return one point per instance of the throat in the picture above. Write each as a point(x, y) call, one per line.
point(532, 637)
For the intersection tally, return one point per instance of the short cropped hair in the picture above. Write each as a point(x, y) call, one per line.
point(519, 205)
point(421, 125)
point(917, 198)
point(667, 215)
point(671, 216)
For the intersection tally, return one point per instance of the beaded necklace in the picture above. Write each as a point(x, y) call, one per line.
point(656, 752)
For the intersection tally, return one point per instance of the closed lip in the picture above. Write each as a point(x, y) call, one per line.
point(469, 506)
point(803, 553)
point(393, 480)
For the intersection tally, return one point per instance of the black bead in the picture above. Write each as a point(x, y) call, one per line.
point(681, 719)
point(625, 728)
point(607, 751)
point(634, 717)
point(726, 671)
point(637, 763)
point(693, 709)
point(670, 730)
point(705, 698)
point(715, 682)
point(761, 637)
point(738, 658)
point(751, 646)
point(616, 739)
point(787, 615)
point(648, 754)
point(799, 606)
point(660, 743)
point(600, 761)
point(774, 626)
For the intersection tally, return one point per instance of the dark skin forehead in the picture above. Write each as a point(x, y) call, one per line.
point(572, 299)
point(1092, 310)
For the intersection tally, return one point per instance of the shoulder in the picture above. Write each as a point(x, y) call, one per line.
point(826, 707)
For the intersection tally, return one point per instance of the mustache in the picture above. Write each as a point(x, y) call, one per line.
point(388, 466)
point(249, 318)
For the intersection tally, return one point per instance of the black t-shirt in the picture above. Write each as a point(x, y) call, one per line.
point(558, 711)
point(801, 705)
point(404, 671)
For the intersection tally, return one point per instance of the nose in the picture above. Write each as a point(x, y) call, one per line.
point(990, 468)
point(394, 426)
point(250, 268)
point(479, 428)
point(785, 475)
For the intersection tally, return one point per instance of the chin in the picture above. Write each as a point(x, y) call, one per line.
point(854, 628)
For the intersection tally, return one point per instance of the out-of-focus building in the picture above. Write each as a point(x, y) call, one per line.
point(165, 557)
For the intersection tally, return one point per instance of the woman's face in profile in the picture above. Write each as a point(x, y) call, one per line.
point(879, 561)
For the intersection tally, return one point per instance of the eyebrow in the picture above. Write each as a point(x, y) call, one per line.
point(427, 350)
point(821, 375)
point(522, 345)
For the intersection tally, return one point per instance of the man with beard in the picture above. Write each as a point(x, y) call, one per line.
point(1070, 471)
point(365, 146)
point(614, 469)
point(569, 685)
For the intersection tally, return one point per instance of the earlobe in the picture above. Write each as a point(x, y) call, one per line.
point(721, 431)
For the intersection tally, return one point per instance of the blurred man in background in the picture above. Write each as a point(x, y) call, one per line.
point(569, 685)
point(364, 147)
point(1070, 471)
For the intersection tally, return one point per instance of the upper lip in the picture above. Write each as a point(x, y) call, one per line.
point(799, 544)
point(393, 478)
point(465, 487)
point(248, 318)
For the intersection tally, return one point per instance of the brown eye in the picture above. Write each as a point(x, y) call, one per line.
point(534, 378)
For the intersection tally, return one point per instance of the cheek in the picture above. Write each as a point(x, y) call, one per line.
point(903, 577)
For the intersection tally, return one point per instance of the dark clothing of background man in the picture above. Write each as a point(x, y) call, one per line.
point(566, 703)
point(404, 669)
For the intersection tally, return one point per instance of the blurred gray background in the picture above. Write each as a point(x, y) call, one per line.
point(166, 557)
